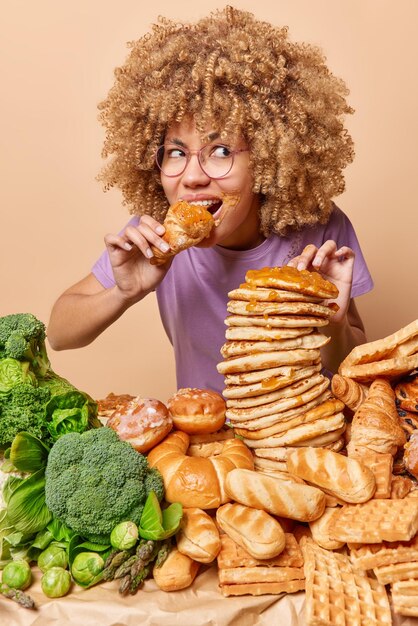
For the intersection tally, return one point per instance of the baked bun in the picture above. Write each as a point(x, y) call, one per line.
point(406, 393)
point(177, 572)
point(253, 529)
point(143, 422)
point(197, 411)
point(198, 536)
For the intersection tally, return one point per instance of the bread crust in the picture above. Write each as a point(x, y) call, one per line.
point(253, 529)
point(198, 536)
point(197, 411)
point(177, 572)
point(197, 481)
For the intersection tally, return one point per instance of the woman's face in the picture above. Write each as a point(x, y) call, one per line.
point(238, 226)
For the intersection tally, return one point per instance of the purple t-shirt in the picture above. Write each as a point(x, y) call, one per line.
point(193, 296)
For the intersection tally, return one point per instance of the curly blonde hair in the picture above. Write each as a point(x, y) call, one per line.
point(239, 76)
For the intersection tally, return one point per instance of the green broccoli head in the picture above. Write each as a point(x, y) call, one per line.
point(94, 481)
point(22, 337)
point(154, 482)
point(23, 408)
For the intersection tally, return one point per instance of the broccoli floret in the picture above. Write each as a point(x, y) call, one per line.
point(23, 408)
point(154, 482)
point(94, 481)
point(22, 337)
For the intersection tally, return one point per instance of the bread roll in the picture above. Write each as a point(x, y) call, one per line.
point(254, 530)
point(198, 536)
point(286, 499)
point(197, 411)
point(346, 478)
point(177, 572)
point(320, 530)
point(197, 481)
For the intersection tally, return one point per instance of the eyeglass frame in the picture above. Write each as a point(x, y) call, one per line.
point(189, 154)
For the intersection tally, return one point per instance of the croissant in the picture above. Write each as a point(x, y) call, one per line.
point(376, 424)
point(197, 481)
point(185, 225)
point(349, 391)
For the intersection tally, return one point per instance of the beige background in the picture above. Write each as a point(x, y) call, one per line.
point(57, 61)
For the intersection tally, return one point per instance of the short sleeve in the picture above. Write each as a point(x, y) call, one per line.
point(340, 229)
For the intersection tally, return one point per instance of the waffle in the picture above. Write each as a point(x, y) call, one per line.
point(232, 555)
point(376, 521)
point(400, 571)
point(405, 597)
point(381, 466)
point(337, 594)
point(241, 574)
point(260, 589)
point(373, 555)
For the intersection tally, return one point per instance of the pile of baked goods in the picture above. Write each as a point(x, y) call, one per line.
point(317, 491)
point(275, 392)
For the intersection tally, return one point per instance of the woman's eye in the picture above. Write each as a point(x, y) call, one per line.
point(174, 153)
point(220, 152)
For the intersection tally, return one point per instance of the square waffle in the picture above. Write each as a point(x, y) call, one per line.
point(381, 466)
point(241, 574)
point(386, 553)
point(405, 597)
point(339, 595)
point(386, 574)
point(376, 521)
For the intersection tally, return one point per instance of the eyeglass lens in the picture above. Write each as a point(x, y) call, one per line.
point(215, 160)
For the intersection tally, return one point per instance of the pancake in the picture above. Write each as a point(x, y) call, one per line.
point(294, 389)
point(276, 321)
point(298, 434)
point(241, 307)
point(234, 348)
point(278, 406)
point(259, 333)
point(291, 279)
point(322, 405)
point(260, 361)
point(259, 294)
point(272, 381)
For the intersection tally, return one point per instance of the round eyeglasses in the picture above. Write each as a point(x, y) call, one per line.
point(216, 161)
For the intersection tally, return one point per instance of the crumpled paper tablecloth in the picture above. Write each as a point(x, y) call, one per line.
point(200, 605)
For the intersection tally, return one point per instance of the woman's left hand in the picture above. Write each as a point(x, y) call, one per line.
point(334, 264)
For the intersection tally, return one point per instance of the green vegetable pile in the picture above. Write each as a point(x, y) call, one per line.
point(94, 481)
point(33, 398)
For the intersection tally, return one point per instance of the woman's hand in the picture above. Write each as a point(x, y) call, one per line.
point(130, 255)
point(336, 265)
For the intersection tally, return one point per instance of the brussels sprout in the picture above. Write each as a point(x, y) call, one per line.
point(56, 582)
point(124, 536)
point(52, 556)
point(17, 574)
point(87, 568)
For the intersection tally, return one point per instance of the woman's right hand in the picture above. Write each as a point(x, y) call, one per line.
point(130, 255)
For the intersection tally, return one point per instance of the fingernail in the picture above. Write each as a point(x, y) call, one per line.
point(127, 246)
point(149, 253)
point(300, 266)
point(160, 230)
point(164, 247)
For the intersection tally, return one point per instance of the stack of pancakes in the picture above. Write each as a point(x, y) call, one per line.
point(276, 396)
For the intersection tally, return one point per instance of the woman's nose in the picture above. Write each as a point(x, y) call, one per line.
point(193, 175)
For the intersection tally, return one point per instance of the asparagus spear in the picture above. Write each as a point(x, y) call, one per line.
point(18, 596)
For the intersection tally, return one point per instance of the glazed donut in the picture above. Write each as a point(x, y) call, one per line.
point(143, 422)
point(197, 481)
point(197, 411)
